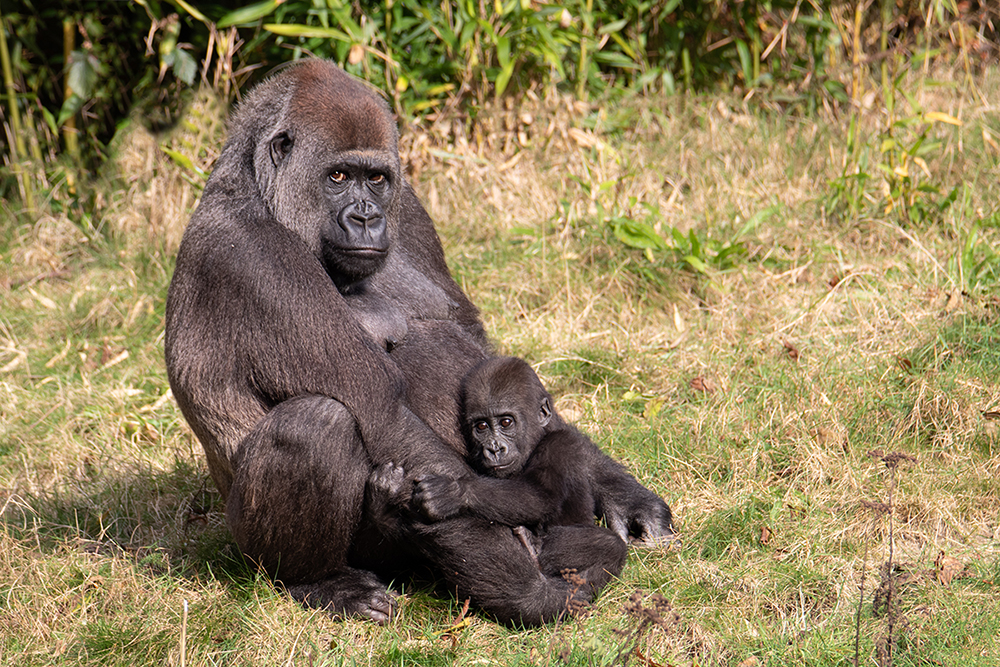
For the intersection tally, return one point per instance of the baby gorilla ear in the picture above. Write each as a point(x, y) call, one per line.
point(545, 412)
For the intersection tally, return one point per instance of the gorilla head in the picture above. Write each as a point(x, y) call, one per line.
point(328, 163)
point(506, 411)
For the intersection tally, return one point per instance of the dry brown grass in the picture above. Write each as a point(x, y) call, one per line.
point(748, 398)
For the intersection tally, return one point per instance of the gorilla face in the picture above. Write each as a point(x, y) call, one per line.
point(496, 444)
point(329, 169)
point(354, 243)
point(507, 412)
point(338, 201)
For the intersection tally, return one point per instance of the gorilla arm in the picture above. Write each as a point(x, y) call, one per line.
point(566, 481)
point(552, 487)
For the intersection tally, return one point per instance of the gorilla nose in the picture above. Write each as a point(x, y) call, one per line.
point(497, 450)
point(364, 213)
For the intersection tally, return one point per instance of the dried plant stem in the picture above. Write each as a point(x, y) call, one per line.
point(890, 603)
point(857, 618)
point(184, 622)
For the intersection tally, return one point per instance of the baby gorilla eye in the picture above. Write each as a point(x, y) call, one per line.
point(481, 426)
point(338, 177)
point(506, 422)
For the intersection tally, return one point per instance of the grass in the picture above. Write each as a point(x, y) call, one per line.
point(750, 397)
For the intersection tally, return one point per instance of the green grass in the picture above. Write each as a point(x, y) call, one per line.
point(749, 397)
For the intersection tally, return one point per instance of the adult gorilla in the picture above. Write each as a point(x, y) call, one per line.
point(314, 337)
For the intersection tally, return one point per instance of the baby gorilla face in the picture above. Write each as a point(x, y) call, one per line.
point(497, 449)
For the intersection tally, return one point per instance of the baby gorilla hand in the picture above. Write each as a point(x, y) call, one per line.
point(437, 497)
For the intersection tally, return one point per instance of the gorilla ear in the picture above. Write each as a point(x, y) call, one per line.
point(545, 412)
point(281, 146)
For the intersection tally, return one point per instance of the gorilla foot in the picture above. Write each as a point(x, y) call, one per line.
point(349, 593)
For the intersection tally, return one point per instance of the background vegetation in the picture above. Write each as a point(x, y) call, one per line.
point(752, 247)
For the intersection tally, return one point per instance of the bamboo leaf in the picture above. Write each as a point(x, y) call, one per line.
point(938, 117)
point(306, 31)
point(69, 108)
point(503, 79)
point(248, 14)
point(185, 66)
point(192, 11)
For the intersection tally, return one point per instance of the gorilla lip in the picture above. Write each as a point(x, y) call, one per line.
point(364, 252)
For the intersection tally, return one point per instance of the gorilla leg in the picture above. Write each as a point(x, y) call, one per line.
point(296, 502)
point(487, 563)
point(594, 552)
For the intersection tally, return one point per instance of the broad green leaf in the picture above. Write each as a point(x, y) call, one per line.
point(185, 66)
point(50, 120)
point(636, 234)
point(697, 264)
point(625, 46)
point(615, 59)
point(612, 27)
point(82, 74)
point(503, 52)
point(745, 64)
point(69, 108)
point(503, 78)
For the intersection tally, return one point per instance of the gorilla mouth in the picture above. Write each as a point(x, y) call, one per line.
point(370, 251)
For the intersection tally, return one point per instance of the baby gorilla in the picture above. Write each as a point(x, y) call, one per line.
point(547, 473)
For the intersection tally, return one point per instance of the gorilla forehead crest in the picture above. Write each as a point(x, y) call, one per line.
point(341, 109)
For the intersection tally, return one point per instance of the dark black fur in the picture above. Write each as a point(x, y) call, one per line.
point(309, 345)
point(551, 471)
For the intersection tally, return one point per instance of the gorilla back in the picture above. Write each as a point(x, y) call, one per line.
point(294, 401)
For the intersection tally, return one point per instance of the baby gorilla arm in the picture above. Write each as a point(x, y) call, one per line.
point(553, 486)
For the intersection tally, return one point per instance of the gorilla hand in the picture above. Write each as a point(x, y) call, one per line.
point(437, 497)
point(384, 488)
point(643, 517)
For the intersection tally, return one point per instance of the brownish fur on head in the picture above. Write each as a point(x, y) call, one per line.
point(344, 110)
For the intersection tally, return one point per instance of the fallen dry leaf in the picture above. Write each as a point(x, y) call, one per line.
point(947, 568)
point(702, 383)
point(793, 351)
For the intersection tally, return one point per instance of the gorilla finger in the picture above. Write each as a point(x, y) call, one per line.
point(617, 525)
point(380, 608)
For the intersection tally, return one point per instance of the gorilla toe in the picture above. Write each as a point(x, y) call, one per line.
point(349, 593)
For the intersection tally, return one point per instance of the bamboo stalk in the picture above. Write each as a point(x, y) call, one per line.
point(69, 127)
point(17, 149)
point(857, 89)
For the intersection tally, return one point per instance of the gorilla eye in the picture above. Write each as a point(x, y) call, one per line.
point(481, 426)
point(338, 177)
point(377, 179)
point(506, 422)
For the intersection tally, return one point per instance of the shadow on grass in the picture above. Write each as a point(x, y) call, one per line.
point(167, 522)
